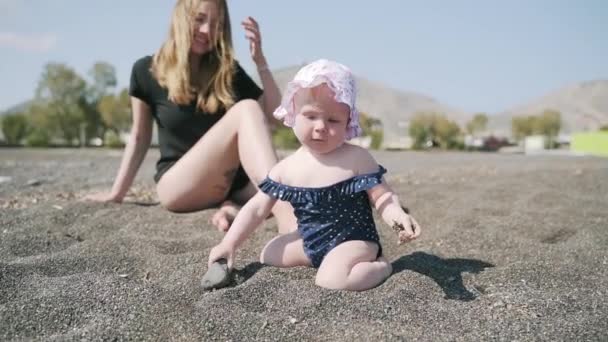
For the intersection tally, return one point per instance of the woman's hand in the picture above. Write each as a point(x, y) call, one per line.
point(407, 228)
point(221, 251)
point(252, 33)
point(104, 197)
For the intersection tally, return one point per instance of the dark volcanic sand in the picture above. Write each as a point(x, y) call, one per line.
point(513, 248)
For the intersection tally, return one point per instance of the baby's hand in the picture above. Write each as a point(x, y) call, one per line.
point(221, 251)
point(408, 229)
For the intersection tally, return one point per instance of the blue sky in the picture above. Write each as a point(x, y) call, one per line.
point(473, 55)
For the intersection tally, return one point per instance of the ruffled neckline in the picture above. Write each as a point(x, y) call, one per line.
point(315, 194)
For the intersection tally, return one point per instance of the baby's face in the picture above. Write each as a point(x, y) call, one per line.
point(321, 121)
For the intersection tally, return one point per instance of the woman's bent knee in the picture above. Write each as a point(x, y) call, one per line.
point(178, 202)
point(173, 204)
point(249, 106)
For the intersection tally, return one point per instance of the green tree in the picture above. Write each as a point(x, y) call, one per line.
point(115, 111)
point(62, 91)
point(523, 126)
point(549, 124)
point(37, 138)
point(435, 128)
point(477, 124)
point(448, 132)
point(371, 127)
point(103, 83)
point(421, 129)
point(283, 137)
point(37, 116)
point(14, 128)
point(103, 76)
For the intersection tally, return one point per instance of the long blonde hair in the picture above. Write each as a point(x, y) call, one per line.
point(211, 81)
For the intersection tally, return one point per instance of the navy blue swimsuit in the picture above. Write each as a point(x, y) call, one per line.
point(330, 215)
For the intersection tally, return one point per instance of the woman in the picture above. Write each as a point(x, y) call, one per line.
point(213, 134)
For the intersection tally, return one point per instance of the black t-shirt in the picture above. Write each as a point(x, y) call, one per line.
point(180, 126)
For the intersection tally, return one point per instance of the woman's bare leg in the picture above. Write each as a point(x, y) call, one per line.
point(202, 177)
point(354, 266)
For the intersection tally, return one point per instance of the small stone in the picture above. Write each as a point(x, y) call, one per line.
point(217, 275)
point(498, 304)
point(34, 182)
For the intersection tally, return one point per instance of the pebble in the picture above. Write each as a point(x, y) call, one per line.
point(217, 275)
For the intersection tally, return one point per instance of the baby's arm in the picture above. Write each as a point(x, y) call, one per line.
point(391, 211)
point(385, 200)
point(248, 218)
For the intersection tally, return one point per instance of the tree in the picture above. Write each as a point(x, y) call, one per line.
point(371, 127)
point(447, 131)
point(477, 124)
point(434, 128)
point(421, 129)
point(14, 128)
point(103, 76)
point(522, 126)
point(62, 90)
point(39, 122)
point(284, 137)
point(115, 111)
point(103, 82)
point(549, 125)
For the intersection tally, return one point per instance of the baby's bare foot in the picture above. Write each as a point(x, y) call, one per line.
point(223, 218)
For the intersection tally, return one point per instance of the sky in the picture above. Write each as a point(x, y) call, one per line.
point(473, 55)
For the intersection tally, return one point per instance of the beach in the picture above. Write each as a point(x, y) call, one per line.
point(513, 248)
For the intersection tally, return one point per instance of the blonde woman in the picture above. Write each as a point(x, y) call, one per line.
point(212, 118)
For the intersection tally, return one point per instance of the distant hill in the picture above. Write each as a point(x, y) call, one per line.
point(392, 107)
point(583, 107)
point(19, 108)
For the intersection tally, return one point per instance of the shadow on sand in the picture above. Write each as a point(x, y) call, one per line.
point(447, 273)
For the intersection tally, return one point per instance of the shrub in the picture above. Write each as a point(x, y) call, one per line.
point(112, 140)
point(284, 138)
point(38, 138)
point(377, 137)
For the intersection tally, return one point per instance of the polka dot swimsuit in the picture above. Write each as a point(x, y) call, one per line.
point(330, 215)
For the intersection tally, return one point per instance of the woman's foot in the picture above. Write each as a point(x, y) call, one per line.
point(223, 218)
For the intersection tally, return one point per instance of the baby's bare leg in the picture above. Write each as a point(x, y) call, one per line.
point(285, 250)
point(354, 266)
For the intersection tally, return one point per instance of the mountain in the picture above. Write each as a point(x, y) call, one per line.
point(583, 107)
point(392, 107)
point(18, 108)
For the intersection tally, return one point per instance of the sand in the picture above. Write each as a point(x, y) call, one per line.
point(513, 248)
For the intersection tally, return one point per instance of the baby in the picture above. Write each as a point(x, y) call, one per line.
point(331, 185)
